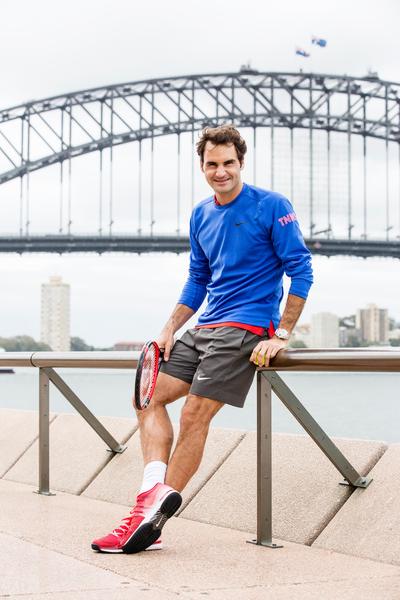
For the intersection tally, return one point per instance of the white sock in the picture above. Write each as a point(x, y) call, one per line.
point(154, 472)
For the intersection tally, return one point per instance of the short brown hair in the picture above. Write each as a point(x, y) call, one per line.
point(224, 134)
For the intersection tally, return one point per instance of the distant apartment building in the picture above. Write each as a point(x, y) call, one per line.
point(349, 336)
point(55, 315)
point(394, 334)
point(373, 323)
point(324, 330)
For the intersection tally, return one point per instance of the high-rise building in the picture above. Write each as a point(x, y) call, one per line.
point(349, 336)
point(55, 315)
point(373, 322)
point(302, 333)
point(324, 330)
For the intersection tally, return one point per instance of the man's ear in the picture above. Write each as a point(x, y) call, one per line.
point(202, 166)
point(242, 165)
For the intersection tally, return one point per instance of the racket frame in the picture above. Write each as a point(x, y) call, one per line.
point(146, 348)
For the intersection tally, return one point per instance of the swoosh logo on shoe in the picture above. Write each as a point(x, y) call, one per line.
point(161, 522)
point(201, 378)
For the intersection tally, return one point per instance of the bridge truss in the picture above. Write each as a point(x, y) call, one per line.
point(304, 116)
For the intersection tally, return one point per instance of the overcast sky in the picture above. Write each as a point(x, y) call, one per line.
point(51, 47)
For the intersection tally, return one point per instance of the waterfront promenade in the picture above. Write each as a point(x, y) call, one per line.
point(337, 543)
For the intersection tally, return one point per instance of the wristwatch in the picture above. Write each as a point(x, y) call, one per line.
point(282, 333)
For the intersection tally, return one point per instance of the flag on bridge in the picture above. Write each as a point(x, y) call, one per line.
point(302, 52)
point(318, 41)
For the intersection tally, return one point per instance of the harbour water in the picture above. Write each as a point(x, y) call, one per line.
point(351, 405)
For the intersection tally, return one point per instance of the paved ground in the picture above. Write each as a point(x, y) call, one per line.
point(344, 543)
point(45, 554)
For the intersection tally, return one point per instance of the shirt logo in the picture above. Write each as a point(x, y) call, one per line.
point(240, 223)
point(289, 218)
point(201, 378)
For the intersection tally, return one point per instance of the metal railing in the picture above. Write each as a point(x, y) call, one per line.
point(45, 362)
point(268, 381)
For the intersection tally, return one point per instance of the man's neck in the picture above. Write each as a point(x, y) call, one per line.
point(229, 196)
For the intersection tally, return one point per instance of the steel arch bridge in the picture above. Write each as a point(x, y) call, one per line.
point(318, 107)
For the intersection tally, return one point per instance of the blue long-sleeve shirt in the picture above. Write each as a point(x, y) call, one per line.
point(239, 253)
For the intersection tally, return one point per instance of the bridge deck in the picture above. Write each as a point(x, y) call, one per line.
point(163, 243)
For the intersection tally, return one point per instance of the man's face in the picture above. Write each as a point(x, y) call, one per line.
point(221, 167)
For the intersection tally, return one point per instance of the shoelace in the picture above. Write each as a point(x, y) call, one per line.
point(127, 522)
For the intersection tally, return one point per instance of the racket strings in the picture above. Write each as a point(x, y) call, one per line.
point(149, 374)
point(146, 374)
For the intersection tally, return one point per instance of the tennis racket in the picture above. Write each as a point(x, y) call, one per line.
point(146, 374)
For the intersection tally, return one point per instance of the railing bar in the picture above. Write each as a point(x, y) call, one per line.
point(305, 359)
point(83, 410)
point(316, 432)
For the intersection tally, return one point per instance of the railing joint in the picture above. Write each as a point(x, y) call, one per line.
point(362, 482)
point(118, 450)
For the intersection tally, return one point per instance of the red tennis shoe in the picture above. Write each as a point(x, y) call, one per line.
point(142, 527)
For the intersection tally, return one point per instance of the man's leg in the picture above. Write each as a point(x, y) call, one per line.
point(156, 434)
point(196, 416)
point(156, 502)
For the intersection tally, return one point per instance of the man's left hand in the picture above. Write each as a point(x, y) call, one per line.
point(266, 350)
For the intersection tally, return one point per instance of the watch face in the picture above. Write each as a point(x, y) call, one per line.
point(281, 333)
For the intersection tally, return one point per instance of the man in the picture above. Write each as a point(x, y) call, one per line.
point(242, 241)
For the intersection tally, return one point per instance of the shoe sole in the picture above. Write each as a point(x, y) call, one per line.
point(152, 547)
point(155, 546)
point(149, 532)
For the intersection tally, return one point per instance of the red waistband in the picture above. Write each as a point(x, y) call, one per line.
point(253, 328)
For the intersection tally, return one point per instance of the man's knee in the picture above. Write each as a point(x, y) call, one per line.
point(197, 412)
point(167, 390)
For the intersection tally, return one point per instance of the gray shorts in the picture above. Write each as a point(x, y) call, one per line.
point(215, 362)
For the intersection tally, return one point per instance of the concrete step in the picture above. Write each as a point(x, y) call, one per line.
point(119, 481)
point(306, 490)
point(19, 429)
point(77, 454)
point(369, 523)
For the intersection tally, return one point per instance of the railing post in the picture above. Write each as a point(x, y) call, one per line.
point(264, 463)
point(44, 435)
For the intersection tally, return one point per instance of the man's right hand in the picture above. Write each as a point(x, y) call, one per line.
point(166, 342)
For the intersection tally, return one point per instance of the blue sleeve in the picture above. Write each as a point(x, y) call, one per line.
point(290, 247)
point(195, 288)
